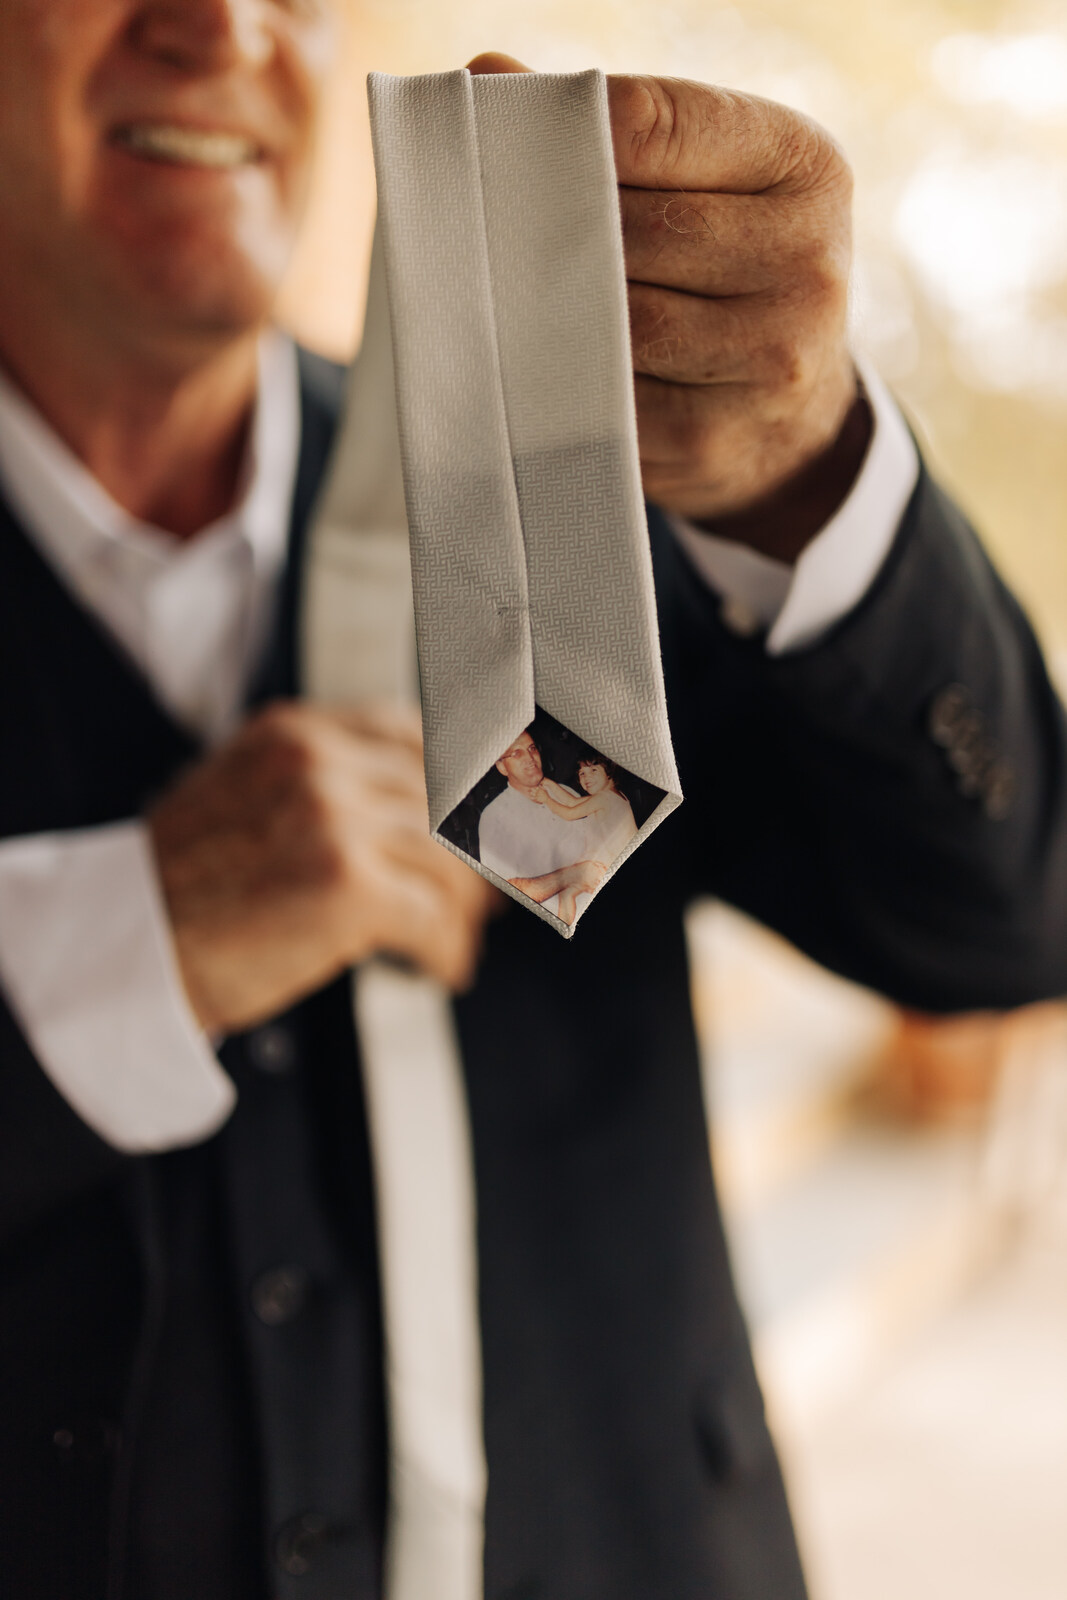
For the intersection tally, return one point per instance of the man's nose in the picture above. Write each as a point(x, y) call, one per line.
point(205, 35)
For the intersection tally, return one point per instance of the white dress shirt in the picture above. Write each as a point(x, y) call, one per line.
point(517, 838)
point(86, 958)
point(797, 604)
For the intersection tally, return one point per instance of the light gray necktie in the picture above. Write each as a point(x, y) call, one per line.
point(499, 237)
point(500, 225)
point(358, 644)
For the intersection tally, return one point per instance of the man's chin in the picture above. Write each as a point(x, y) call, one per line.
point(174, 304)
point(174, 279)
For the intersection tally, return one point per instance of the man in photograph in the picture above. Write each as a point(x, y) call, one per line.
point(521, 840)
point(192, 860)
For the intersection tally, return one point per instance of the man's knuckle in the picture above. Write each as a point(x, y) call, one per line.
point(815, 261)
point(312, 807)
point(263, 724)
point(827, 294)
point(811, 295)
point(812, 158)
point(649, 113)
point(291, 749)
point(783, 362)
point(331, 865)
point(829, 164)
point(276, 719)
point(789, 355)
point(808, 309)
point(657, 342)
point(695, 431)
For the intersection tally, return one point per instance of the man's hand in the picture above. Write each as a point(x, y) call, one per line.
point(737, 235)
point(300, 847)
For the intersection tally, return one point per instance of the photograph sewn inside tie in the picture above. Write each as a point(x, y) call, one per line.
point(547, 748)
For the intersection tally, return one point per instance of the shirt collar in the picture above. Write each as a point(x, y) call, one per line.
point(79, 527)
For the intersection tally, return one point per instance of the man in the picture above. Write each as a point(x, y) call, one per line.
point(515, 832)
point(191, 1362)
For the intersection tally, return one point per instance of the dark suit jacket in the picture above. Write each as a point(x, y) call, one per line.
point(190, 1385)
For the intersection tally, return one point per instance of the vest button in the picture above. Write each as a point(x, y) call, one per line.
point(947, 710)
point(297, 1542)
point(272, 1049)
point(279, 1296)
point(998, 791)
point(87, 1442)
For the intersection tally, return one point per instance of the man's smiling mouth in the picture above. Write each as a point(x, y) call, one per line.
point(188, 147)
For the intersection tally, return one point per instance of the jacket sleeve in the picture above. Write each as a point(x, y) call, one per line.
point(893, 798)
point(94, 1008)
point(48, 1155)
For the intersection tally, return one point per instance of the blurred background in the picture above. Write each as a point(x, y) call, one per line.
point(896, 1187)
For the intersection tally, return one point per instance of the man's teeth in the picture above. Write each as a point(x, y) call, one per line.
point(190, 146)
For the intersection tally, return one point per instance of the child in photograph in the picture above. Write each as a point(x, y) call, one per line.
point(605, 802)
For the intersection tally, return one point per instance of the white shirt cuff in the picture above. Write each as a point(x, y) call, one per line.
point(797, 605)
point(87, 964)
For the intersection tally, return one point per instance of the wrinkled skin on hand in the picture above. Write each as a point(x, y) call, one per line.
point(736, 218)
point(300, 847)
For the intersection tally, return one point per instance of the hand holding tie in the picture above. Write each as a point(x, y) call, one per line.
point(301, 847)
point(736, 218)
